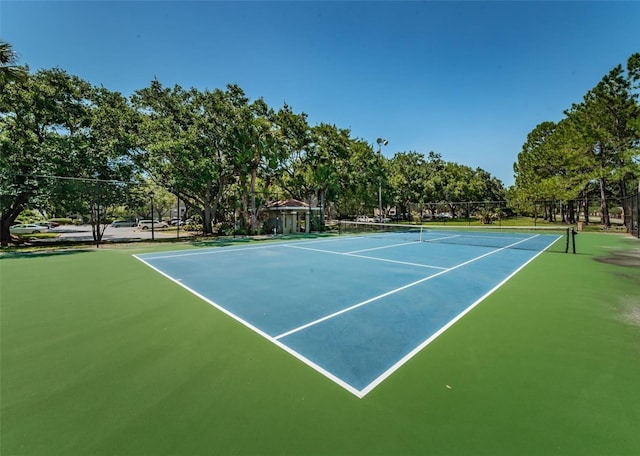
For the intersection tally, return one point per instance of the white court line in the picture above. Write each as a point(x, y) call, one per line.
point(227, 249)
point(383, 247)
point(470, 235)
point(441, 238)
point(209, 251)
point(404, 287)
point(384, 260)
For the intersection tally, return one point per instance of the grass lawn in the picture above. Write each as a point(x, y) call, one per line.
point(101, 355)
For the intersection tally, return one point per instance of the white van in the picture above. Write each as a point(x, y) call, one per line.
point(123, 224)
point(146, 224)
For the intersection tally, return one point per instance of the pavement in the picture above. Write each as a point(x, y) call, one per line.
point(83, 233)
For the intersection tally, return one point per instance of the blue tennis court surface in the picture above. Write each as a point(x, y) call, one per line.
point(353, 308)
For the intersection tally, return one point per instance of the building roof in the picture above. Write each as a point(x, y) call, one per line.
point(288, 204)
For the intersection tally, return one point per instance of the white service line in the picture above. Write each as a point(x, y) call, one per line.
point(404, 287)
point(384, 260)
point(208, 251)
point(231, 249)
point(436, 239)
point(383, 247)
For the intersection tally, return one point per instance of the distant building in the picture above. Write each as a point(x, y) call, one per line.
point(289, 216)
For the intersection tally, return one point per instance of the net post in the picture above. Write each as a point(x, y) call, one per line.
point(566, 235)
point(573, 239)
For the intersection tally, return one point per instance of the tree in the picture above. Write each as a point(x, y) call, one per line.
point(533, 165)
point(434, 182)
point(327, 162)
point(39, 119)
point(605, 122)
point(261, 153)
point(64, 144)
point(458, 185)
point(189, 142)
point(9, 70)
point(316, 165)
point(103, 153)
point(360, 179)
point(407, 174)
point(597, 142)
point(295, 134)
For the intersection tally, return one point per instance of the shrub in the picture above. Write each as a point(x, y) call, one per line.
point(62, 220)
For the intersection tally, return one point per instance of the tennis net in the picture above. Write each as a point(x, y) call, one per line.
point(515, 237)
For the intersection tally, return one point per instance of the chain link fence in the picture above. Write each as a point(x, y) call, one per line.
point(101, 203)
point(631, 211)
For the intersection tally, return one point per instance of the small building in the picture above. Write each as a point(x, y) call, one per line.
point(290, 216)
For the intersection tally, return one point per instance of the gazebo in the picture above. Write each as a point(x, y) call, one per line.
point(288, 216)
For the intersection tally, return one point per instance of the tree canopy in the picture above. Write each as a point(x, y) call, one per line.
point(70, 147)
point(593, 152)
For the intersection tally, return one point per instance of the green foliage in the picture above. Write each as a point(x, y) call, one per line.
point(53, 125)
point(593, 151)
point(436, 185)
point(28, 216)
point(487, 216)
point(226, 156)
point(62, 220)
point(9, 70)
point(208, 146)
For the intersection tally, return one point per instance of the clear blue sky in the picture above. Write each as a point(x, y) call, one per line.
point(468, 80)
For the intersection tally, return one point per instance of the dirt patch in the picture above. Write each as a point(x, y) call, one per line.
point(622, 258)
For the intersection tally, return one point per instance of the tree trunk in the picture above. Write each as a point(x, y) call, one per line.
point(625, 202)
point(586, 209)
point(623, 188)
point(547, 212)
point(244, 211)
point(95, 217)
point(452, 209)
point(572, 212)
point(210, 207)
point(604, 207)
point(9, 216)
point(253, 221)
point(321, 202)
point(207, 218)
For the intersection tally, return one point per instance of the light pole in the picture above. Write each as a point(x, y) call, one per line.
point(151, 195)
point(381, 142)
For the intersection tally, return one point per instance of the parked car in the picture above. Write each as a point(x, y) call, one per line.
point(364, 218)
point(146, 224)
point(27, 228)
point(123, 223)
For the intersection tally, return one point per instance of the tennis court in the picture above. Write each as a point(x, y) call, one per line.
point(355, 308)
point(103, 355)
